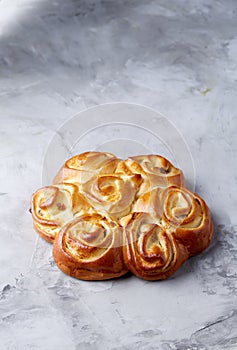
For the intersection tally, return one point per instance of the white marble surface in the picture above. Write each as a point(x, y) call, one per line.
point(60, 57)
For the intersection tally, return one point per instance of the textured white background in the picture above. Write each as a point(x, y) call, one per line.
point(60, 57)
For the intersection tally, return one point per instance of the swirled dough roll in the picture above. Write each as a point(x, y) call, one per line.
point(181, 212)
point(155, 171)
point(150, 252)
point(188, 217)
point(81, 168)
point(112, 193)
point(53, 206)
point(106, 216)
point(90, 248)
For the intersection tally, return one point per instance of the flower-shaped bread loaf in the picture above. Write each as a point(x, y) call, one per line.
point(107, 216)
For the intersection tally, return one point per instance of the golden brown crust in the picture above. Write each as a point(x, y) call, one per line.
point(150, 252)
point(53, 206)
point(47, 233)
point(112, 193)
point(182, 213)
point(81, 168)
point(90, 248)
point(155, 171)
point(191, 223)
point(106, 216)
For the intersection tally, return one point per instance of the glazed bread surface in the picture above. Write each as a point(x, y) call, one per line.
point(106, 216)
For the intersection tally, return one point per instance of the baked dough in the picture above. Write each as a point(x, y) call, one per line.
point(154, 170)
point(112, 193)
point(106, 216)
point(90, 248)
point(150, 252)
point(53, 206)
point(181, 213)
point(82, 167)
